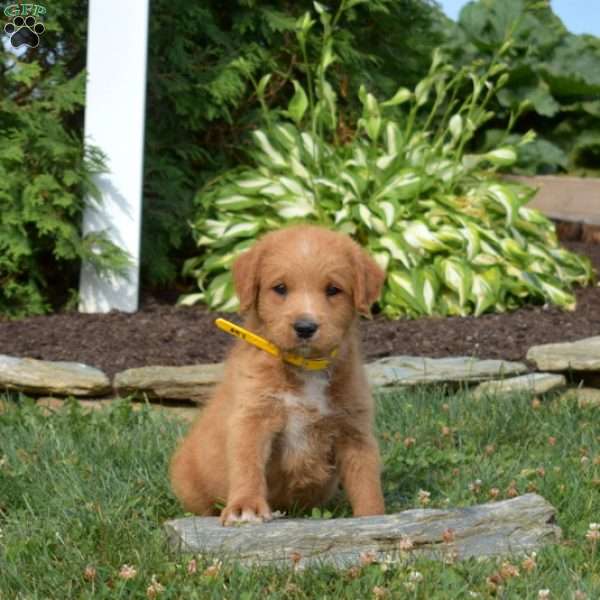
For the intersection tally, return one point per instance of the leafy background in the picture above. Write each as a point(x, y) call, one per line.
point(453, 238)
point(45, 171)
point(202, 107)
point(554, 78)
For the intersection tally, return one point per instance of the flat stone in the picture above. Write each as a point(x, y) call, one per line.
point(518, 525)
point(194, 382)
point(414, 370)
point(534, 383)
point(586, 397)
point(48, 377)
point(582, 355)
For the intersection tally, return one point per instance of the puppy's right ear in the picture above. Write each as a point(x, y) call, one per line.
point(245, 278)
point(369, 279)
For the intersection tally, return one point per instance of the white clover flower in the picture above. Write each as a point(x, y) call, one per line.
point(415, 577)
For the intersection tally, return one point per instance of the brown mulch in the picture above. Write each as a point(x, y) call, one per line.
point(167, 335)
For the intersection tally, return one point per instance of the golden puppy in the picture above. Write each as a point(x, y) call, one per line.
point(275, 435)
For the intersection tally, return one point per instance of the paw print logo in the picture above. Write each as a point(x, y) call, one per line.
point(24, 32)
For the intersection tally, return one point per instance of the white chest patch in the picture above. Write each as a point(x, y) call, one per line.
point(311, 403)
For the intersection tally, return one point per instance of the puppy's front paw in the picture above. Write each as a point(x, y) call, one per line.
point(246, 510)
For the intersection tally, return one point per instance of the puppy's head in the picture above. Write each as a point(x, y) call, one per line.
point(305, 285)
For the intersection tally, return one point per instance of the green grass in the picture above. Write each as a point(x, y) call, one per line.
point(84, 490)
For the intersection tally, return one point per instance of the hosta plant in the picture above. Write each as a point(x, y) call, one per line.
point(453, 238)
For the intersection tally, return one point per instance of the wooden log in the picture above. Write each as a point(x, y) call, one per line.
point(519, 525)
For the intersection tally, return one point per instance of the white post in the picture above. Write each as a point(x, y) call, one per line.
point(114, 121)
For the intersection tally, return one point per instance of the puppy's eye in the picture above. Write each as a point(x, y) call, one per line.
point(280, 289)
point(332, 290)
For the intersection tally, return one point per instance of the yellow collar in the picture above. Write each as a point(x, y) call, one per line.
point(312, 364)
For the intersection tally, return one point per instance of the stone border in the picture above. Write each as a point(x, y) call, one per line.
point(194, 384)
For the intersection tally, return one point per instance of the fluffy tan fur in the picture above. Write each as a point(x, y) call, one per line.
point(275, 436)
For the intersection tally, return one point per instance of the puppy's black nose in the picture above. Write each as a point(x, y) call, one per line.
point(305, 328)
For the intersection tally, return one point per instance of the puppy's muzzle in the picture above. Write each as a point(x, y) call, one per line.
point(305, 328)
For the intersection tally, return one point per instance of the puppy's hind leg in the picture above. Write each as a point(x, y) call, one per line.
point(188, 485)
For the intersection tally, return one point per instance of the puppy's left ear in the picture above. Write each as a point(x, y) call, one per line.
point(245, 278)
point(368, 281)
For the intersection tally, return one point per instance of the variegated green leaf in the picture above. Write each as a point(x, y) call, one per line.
point(204, 240)
point(293, 186)
point(472, 238)
point(426, 285)
point(393, 244)
point(534, 216)
point(382, 259)
point(429, 295)
point(252, 184)
point(310, 145)
point(458, 277)
point(342, 214)
point(400, 97)
point(470, 161)
point(403, 287)
point(388, 211)
point(295, 208)
point(265, 145)
point(274, 190)
point(422, 91)
point(419, 236)
point(368, 218)
point(298, 169)
point(371, 119)
point(401, 187)
point(218, 261)
point(450, 305)
point(393, 138)
point(191, 299)
point(235, 202)
point(513, 250)
point(485, 290)
point(218, 288)
point(348, 227)
point(507, 198)
point(385, 161)
point(484, 259)
point(556, 294)
point(229, 305)
point(502, 157)
point(287, 135)
point(330, 184)
point(241, 230)
point(215, 229)
point(353, 182)
point(450, 236)
point(455, 126)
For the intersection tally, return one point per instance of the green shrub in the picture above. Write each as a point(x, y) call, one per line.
point(453, 239)
point(202, 106)
point(45, 172)
point(554, 81)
